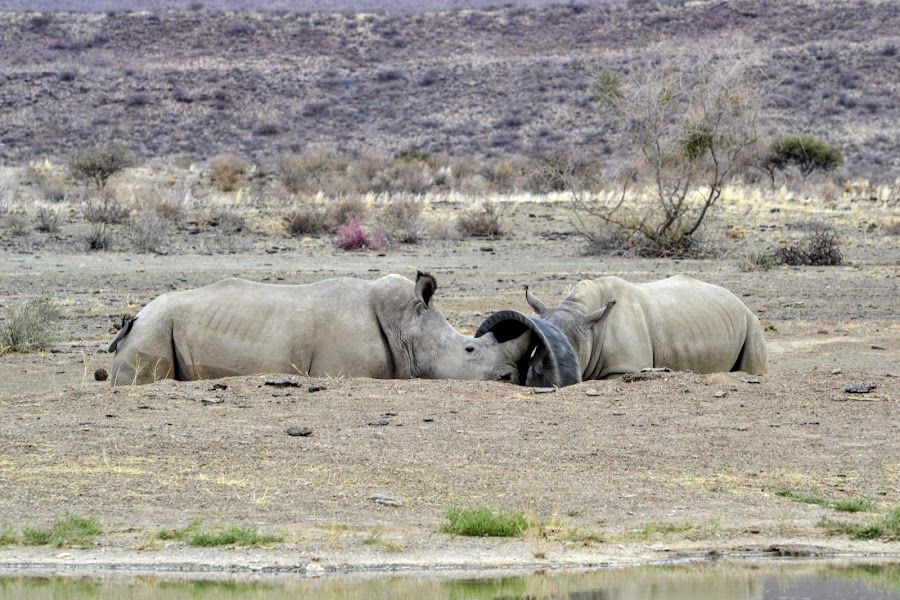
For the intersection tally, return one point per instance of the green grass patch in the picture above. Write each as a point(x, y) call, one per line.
point(234, 535)
point(886, 527)
point(851, 506)
point(651, 530)
point(484, 521)
point(9, 536)
point(180, 533)
point(70, 529)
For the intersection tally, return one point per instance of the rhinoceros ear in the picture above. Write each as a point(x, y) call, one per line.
point(509, 324)
point(538, 306)
point(598, 315)
point(425, 287)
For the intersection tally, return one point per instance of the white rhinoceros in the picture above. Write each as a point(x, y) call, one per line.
point(386, 328)
point(617, 327)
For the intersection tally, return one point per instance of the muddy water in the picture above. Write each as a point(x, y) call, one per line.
point(783, 580)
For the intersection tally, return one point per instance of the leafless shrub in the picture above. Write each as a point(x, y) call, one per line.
point(226, 220)
point(15, 223)
point(47, 219)
point(345, 210)
point(401, 220)
point(307, 220)
point(226, 172)
point(482, 220)
point(104, 207)
point(8, 185)
point(819, 247)
point(99, 236)
point(149, 231)
point(310, 173)
point(30, 326)
point(691, 118)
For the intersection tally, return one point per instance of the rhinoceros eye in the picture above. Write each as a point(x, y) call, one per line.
point(470, 349)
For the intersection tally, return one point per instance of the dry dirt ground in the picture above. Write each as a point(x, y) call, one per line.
point(594, 463)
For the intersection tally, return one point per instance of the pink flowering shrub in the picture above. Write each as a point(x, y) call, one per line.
point(352, 236)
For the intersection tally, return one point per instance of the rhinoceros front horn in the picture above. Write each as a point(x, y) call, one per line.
point(510, 324)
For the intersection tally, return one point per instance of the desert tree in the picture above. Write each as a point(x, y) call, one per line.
point(97, 166)
point(808, 153)
point(691, 117)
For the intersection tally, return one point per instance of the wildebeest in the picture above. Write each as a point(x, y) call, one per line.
point(617, 327)
point(386, 328)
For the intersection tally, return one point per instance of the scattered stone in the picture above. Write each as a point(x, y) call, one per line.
point(822, 332)
point(860, 387)
point(428, 420)
point(545, 390)
point(299, 431)
point(487, 248)
point(218, 386)
point(877, 347)
point(384, 500)
point(591, 392)
point(836, 371)
point(656, 370)
point(754, 380)
point(720, 394)
point(101, 375)
point(378, 423)
point(316, 388)
point(283, 382)
point(212, 401)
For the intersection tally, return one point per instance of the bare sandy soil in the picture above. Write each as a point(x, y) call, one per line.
point(594, 463)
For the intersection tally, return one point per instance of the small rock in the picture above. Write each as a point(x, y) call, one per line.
point(218, 386)
point(428, 420)
point(545, 390)
point(299, 431)
point(315, 388)
point(212, 400)
point(591, 392)
point(860, 387)
point(283, 382)
point(656, 370)
point(720, 394)
point(877, 347)
point(754, 380)
point(378, 423)
point(836, 371)
point(384, 500)
point(101, 375)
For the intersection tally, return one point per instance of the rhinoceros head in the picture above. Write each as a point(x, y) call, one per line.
point(558, 362)
point(438, 351)
point(577, 327)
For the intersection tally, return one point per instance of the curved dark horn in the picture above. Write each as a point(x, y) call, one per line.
point(509, 324)
point(566, 370)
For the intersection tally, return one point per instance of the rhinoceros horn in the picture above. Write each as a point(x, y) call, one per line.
point(510, 324)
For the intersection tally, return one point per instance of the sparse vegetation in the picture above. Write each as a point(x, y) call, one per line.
point(401, 220)
point(353, 236)
point(30, 326)
point(480, 220)
point(227, 171)
point(484, 521)
point(819, 247)
point(65, 531)
point(149, 231)
point(180, 533)
point(886, 527)
point(691, 118)
point(851, 505)
point(9, 536)
point(651, 530)
point(234, 535)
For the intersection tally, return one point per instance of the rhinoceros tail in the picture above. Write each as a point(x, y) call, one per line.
point(127, 323)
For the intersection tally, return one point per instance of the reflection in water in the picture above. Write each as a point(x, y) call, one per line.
point(724, 580)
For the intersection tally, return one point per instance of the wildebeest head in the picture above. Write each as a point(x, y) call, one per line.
point(577, 327)
point(439, 351)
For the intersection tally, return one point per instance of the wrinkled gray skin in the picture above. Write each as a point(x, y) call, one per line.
point(617, 327)
point(387, 329)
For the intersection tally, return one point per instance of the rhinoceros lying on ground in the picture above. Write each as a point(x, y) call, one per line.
point(617, 327)
point(387, 328)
